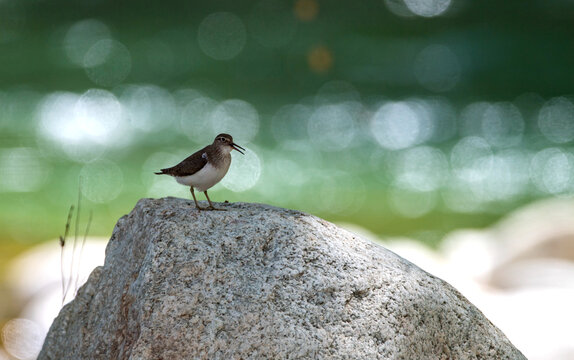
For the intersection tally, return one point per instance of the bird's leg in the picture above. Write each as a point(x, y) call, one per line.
point(210, 204)
point(194, 199)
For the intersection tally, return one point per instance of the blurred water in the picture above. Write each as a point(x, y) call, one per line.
point(468, 158)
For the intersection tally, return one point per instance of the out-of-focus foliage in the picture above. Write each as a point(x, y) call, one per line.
point(407, 118)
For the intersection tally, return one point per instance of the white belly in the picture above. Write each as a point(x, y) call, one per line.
point(204, 178)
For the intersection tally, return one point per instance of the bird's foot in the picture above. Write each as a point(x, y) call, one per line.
point(214, 208)
point(209, 208)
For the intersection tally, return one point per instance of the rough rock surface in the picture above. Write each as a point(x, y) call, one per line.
point(261, 282)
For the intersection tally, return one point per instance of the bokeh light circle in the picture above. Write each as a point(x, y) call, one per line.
point(332, 127)
point(428, 8)
point(396, 125)
point(551, 171)
point(99, 113)
point(443, 119)
point(510, 173)
point(556, 120)
point(306, 10)
point(399, 8)
point(149, 108)
point(244, 172)
point(471, 118)
point(290, 122)
point(83, 126)
point(471, 159)
point(502, 124)
point(501, 183)
point(101, 181)
point(81, 36)
point(156, 161)
point(108, 62)
point(421, 169)
point(195, 117)
point(426, 118)
point(237, 118)
point(222, 35)
point(22, 338)
point(320, 59)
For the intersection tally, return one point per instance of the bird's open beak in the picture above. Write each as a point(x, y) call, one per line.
point(237, 147)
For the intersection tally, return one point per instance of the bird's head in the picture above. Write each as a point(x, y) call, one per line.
point(226, 141)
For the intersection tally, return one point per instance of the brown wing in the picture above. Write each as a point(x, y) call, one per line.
point(188, 166)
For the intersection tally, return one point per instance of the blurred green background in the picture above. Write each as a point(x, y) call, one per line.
point(405, 117)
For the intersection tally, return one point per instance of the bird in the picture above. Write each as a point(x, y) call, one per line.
point(205, 168)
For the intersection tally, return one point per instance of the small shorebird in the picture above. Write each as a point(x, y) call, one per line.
point(205, 168)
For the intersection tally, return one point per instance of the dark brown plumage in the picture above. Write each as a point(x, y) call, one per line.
point(190, 165)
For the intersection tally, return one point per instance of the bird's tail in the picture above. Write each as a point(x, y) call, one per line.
point(161, 172)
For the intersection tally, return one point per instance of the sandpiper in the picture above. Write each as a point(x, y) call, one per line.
point(205, 168)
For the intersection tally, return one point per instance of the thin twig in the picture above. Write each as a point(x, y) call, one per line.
point(82, 250)
point(75, 243)
point(62, 245)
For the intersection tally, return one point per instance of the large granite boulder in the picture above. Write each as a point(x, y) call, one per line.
point(261, 282)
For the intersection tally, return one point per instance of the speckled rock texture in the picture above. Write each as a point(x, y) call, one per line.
point(259, 282)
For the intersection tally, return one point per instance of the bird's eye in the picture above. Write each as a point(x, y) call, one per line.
point(222, 139)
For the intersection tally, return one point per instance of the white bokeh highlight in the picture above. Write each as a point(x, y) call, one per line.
point(551, 171)
point(81, 36)
point(244, 171)
point(428, 8)
point(289, 123)
point(421, 169)
point(333, 127)
point(22, 338)
point(471, 159)
point(398, 125)
point(222, 35)
point(148, 108)
point(236, 117)
point(195, 119)
point(556, 120)
point(83, 126)
point(502, 124)
point(107, 63)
